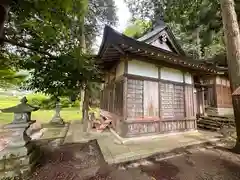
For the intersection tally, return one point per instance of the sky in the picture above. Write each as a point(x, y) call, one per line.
point(124, 17)
point(123, 14)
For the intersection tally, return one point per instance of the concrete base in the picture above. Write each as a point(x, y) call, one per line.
point(57, 120)
point(225, 111)
point(219, 111)
point(133, 140)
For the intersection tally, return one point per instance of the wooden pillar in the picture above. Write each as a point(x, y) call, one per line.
point(159, 98)
point(159, 92)
point(202, 99)
point(184, 98)
point(215, 91)
point(125, 88)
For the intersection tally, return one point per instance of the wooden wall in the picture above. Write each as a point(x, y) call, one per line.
point(223, 92)
point(112, 100)
point(159, 105)
point(158, 100)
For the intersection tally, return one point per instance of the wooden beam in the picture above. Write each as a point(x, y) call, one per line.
point(119, 49)
point(184, 98)
point(125, 88)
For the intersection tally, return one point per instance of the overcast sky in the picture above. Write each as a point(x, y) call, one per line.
point(123, 14)
point(124, 17)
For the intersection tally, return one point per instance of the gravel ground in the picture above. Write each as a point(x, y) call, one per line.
point(85, 162)
point(216, 163)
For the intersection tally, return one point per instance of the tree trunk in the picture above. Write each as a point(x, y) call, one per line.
point(85, 109)
point(232, 39)
point(4, 8)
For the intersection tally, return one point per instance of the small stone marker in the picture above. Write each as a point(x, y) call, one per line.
point(57, 118)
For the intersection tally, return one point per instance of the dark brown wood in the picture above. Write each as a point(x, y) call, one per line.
point(125, 93)
point(137, 77)
point(215, 92)
point(143, 128)
point(184, 94)
point(119, 97)
point(184, 98)
point(119, 49)
point(151, 52)
point(224, 98)
point(126, 59)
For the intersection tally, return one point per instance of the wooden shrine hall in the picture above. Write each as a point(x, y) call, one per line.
point(152, 87)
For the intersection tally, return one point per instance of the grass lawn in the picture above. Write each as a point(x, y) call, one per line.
point(44, 116)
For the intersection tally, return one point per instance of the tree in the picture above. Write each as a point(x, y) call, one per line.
point(48, 34)
point(232, 36)
point(197, 19)
point(138, 28)
point(46, 37)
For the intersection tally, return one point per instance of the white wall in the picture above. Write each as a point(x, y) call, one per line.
point(120, 69)
point(142, 69)
point(171, 74)
point(188, 78)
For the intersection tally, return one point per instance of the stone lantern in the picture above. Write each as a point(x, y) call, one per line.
point(22, 113)
point(18, 152)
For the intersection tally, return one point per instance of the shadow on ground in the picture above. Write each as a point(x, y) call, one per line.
point(85, 162)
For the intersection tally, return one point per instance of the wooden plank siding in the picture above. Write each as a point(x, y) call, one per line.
point(112, 100)
point(150, 105)
point(224, 98)
point(134, 98)
point(138, 128)
point(150, 100)
point(189, 101)
point(157, 106)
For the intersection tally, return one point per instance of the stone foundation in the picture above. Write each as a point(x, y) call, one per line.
point(22, 148)
point(219, 111)
point(18, 162)
point(225, 111)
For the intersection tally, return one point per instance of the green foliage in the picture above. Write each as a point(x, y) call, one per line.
point(47, 102)
point(193, 19)
point(8, 72)
point(138, 28)
point(46, 38)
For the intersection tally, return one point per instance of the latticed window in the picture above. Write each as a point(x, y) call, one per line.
point(135, 98)
point(172, 101)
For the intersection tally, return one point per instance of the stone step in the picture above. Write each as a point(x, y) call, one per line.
point(222, 117)
point(223, 120)
point(209, 123)
point(207, 127)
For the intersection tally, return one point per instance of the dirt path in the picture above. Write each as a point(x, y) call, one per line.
point(80, 162)
point(85, 162)
point(200, 164)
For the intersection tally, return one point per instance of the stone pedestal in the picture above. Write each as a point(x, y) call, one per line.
point(19, 138)
point(57, 118)
point(15, 157)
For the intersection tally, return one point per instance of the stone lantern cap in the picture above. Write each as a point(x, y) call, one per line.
point(23, 107)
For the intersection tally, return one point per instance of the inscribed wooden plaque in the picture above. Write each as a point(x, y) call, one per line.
point(151, 107)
